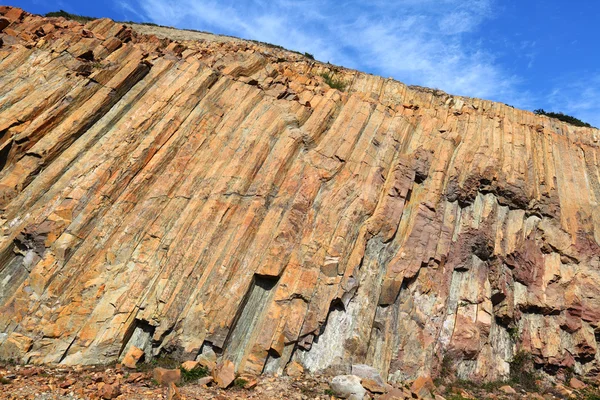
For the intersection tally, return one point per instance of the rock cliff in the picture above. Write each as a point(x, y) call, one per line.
point(208, 196)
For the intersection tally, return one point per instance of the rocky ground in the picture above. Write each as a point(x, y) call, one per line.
point(150, 382)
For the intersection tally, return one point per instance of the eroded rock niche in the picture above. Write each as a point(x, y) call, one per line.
point(213, 196)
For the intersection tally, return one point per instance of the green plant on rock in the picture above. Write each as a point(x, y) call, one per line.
point(562, 117)
point(590, 394)
point(446, 369)
point(240, 383)
point(199, 371)
point(456, 396)
point(66, 15)
point(333, 82)
point(522, 371)
point(513, 332)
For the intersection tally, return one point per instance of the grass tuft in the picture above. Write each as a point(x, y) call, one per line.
point(333, 82)
point(193, 374)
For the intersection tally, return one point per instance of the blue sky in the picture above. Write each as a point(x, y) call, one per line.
point(527, 53)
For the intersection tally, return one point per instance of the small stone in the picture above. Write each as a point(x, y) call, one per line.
point(66, 383)
point(165, 376)
point(394, 394)
point(109, 392)
point(577, 384)
point(204, 381)
point(348, 387)
point(30, 372)
point(135, 377)
point(508, 390)
point(251, 384)
point(224, 374)
point(134, 354)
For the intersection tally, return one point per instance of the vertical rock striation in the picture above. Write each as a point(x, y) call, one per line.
point(216, 196)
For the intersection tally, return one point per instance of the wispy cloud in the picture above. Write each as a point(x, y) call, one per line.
point(423, 42)
point(418, 42)
point(579, 96)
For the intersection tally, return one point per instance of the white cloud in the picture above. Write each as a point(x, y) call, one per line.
point(577, 96)
point(421, 42)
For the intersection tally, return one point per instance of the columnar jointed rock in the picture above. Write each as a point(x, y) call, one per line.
point(214, 196)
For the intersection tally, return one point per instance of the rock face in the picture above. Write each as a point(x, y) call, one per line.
point(217, 200)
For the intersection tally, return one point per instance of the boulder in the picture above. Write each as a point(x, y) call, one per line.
point(367, 372)
point(224, 374)
point(164, 376)
point(189, 365)
point(423, 387)
point(134, 354)
point(348, 387)
point(204, 381)
point(294, 369)
point(373, 386)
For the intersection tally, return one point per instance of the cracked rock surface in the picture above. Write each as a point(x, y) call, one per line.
point(217, 200)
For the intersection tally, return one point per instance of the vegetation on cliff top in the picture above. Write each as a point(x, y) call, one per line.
point(562, 117)
point(62, 13)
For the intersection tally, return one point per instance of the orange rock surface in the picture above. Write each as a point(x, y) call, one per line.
point(217, 200)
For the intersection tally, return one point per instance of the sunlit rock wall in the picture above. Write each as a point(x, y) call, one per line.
point(217, 195)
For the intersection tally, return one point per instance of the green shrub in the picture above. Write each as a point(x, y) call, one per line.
point(562, 117)
point(193, 374)
point(240, 382)
point(456, 396)
point(308, 55)
point(66, 15)
point(522, 372)
point(333, 82)
point(513, 332)
point(591, 394)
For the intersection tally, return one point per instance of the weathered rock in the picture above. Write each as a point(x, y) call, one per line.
point(396, 394)
point(294, 369)
point(4, 22)
point(189, 365)
point(373, 386)
point(423, 386)
point(164, 376)
point(348, 387)
point(173, 392)
point(367, 372)
point(577, 384)
point(224, 374)
point(215, 197)
point(109, 392)
point(507, 389)
point(134, 354)
point(204, 381)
